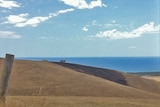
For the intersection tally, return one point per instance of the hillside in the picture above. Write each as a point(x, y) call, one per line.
point(33, 78)
point(118, 77)
point(149, 75)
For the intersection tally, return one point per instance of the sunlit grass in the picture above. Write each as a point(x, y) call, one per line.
point(78, 101)
point(156, 78)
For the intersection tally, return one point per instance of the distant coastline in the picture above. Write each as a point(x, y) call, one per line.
point(124, 64)
point(147, 73)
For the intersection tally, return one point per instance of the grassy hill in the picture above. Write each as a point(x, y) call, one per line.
point(33, 78)
point(133, 81)
point(149, 75)
point(46, 84)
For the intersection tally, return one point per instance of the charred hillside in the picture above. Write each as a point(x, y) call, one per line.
point(107, 74)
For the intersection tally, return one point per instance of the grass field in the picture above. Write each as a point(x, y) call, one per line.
point(45, 84)
point(79, 101)
point(156, 78)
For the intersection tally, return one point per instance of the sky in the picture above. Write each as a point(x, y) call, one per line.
point(80, 28)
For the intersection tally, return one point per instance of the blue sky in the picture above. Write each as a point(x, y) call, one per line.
point(79, 28)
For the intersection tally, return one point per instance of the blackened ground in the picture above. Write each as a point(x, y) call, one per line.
point(107, 74)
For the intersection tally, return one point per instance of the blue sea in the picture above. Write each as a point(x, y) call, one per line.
point(124, 64)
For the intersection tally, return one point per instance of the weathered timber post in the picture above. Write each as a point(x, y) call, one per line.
point(8, 62)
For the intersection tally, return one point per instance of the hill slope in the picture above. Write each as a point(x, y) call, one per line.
point(118, 77)
point(44, 78)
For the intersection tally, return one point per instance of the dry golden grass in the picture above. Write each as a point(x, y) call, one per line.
point(156, 78)
point(130, 80)
point(32, 78)
point(138, 82)
point(59, 86)
point(73, 101)
point(36, 77)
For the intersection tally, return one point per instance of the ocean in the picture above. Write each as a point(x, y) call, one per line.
point(124, 64)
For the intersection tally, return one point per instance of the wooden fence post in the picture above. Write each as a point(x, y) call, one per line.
point(8, 62)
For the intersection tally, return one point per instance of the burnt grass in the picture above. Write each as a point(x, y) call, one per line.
point(107, 74)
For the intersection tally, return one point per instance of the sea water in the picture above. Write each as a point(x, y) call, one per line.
point(124, 64)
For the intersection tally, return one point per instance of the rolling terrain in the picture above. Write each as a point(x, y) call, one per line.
point(149, 75)
point(42, 78)
point(127, 79)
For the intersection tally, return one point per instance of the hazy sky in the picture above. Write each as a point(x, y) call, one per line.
point(71, 28)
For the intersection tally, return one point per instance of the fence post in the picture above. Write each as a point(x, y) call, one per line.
point(8, 62)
